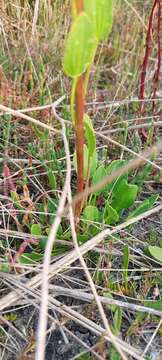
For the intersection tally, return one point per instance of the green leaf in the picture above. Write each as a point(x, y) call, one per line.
point(11, 317)
point(5, 267)
point(43, 242)
point(144, 206)
point(126, 257)
point(82, 238)
point(112, 307)
point(80, 46)
point(59, 249)
point(156, 252)
point(117, 320)
point(30, 258)
point(110, 214)
point(99, 174)
point(90, 135)
point(157, 305)
point(143, 174)
point(36, 229)
point(114, 165)
point(114, 355)
point(91, 213)
point(16, 199)
point(125, 264)
point(51, 179)
point(41, 135)
point(123, 195)
point(93, 162)
point(100, 13)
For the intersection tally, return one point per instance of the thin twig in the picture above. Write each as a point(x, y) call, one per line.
point(136, 13)
point(43, 107)
point(73, 314)
point(86, 296)
point(152, 338)
point(134, 127)
point(18, 114)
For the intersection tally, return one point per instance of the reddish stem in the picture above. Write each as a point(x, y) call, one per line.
point(147, 54)
point(79, 6)
point(79, 129)
point(157, 71)
point(8, 181)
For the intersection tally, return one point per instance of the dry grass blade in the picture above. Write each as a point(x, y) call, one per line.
point(72, 314)
point(152, 338)
point(136, 13)
point(35, 17)
point(85, 296)
point(68, 259)
point(18, 114)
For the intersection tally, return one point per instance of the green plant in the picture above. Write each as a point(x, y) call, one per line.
point(115, 197)
point(114, 354)
point(155, 252)
point(92, 22)
point(117, 314)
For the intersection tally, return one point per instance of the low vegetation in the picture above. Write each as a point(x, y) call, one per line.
point(80, 163)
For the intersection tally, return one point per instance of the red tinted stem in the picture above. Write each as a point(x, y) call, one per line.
point(79, 129)
point(147, 54)
point(157, 71)
point(79, 6)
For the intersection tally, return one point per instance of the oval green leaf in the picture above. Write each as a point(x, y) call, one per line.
point(124, 195)
point(156, 252)
point(110, 214)
point(101, 15)
point(99, 175)
point(91, 213)
point(79, 47)
point(36, 229)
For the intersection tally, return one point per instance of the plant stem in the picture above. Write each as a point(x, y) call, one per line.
point(156, 77)
point(72, 100)
point(79, 6)
point(149, 41)
point(79, 128)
